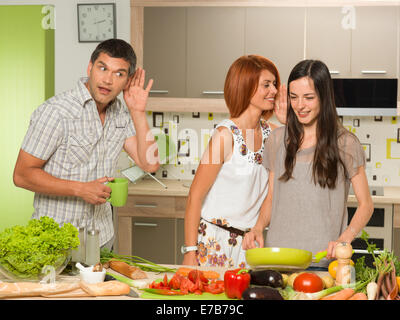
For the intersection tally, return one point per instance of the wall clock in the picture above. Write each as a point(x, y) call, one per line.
point(96, 22)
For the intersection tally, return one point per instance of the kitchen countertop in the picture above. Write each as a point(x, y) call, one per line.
point(390, 195)
point(150, 187)
point(151, 276)
point(75, 278)
point(181, 188)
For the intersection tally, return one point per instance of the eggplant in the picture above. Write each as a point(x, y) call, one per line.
point(261, 293)
point(269, 278)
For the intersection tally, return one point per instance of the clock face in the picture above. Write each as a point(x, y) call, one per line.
point(96, 22)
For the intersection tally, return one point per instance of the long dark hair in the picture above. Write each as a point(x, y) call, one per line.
point(326, 156)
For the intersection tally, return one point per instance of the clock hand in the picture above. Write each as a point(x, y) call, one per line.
point(100, 21)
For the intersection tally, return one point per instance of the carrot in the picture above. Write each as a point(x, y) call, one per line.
point(379, 283)
point(183, 271)
point(395, 288)
point(209, 274)
point(359, 296)
point(384, 287)
point(340, 295)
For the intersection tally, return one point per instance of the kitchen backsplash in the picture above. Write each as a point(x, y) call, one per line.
point(190, 132)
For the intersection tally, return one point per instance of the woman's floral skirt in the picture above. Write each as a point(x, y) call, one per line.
point(218, 247)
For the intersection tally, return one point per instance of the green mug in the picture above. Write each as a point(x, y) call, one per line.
point(119, 192)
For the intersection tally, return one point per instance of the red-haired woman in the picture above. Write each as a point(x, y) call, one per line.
point(230, 185)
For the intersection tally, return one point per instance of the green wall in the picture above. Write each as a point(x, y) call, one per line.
point(26, 81)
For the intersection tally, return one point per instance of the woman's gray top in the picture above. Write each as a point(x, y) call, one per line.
point(304, 215)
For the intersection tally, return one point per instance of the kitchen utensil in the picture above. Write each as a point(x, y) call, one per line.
point(92, 245)
point(79, 254)
point(284, 259)
point(343, 253)
point(80, 267)
point(90, 276)
point(132, 293)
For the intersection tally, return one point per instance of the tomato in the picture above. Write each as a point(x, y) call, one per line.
point(188, 286)
point(197, 274)
point(333, 267)
point(175, 282)
point(215, 287)
point(308, 282)
point(165, 281)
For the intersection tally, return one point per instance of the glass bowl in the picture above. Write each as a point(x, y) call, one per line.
point(13, 275)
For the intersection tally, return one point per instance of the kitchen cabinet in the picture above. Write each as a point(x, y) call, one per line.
point(180, 240)
point(164, 47)
point(215, 38)
point(209, 37)
point(154, 239)
point(151, 227)
point(279, 39)
point(374, 42)
point(188, 49)
point(328, 41)
point(354, 52)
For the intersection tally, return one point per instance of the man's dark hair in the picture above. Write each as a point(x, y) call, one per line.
point(116, 48)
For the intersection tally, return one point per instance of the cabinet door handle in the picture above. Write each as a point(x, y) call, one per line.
point(138, 205)
point(373, 71)
point(334, 72)
point(213, 92)
point(158, 91)
point(145, 224)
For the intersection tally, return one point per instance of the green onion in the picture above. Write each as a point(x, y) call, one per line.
point(141, 263)
point(123, 279)
point(290, 294)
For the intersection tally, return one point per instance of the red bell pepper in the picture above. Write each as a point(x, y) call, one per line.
point(235, 282)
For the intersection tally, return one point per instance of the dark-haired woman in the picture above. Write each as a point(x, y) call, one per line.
point(311, 162)
point(231, 184)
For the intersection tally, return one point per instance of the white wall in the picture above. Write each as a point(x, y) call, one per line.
point(72, 57)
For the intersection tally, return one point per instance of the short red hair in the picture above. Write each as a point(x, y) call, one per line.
point(242, 81)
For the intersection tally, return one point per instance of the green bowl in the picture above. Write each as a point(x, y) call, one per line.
point(278, 258)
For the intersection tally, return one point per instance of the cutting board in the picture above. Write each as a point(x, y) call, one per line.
point(191, 296)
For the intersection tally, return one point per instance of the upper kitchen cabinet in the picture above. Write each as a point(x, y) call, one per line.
point(277, 34)
point(164, 50)
point(215, 38)
point(328, 38)
point(374, 42)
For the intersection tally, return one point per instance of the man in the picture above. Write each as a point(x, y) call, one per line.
point(74, 139)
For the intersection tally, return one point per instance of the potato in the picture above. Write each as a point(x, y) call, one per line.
point(285, 278)
point(328, 281)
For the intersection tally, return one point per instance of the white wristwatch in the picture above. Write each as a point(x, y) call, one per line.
point(187, 249)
